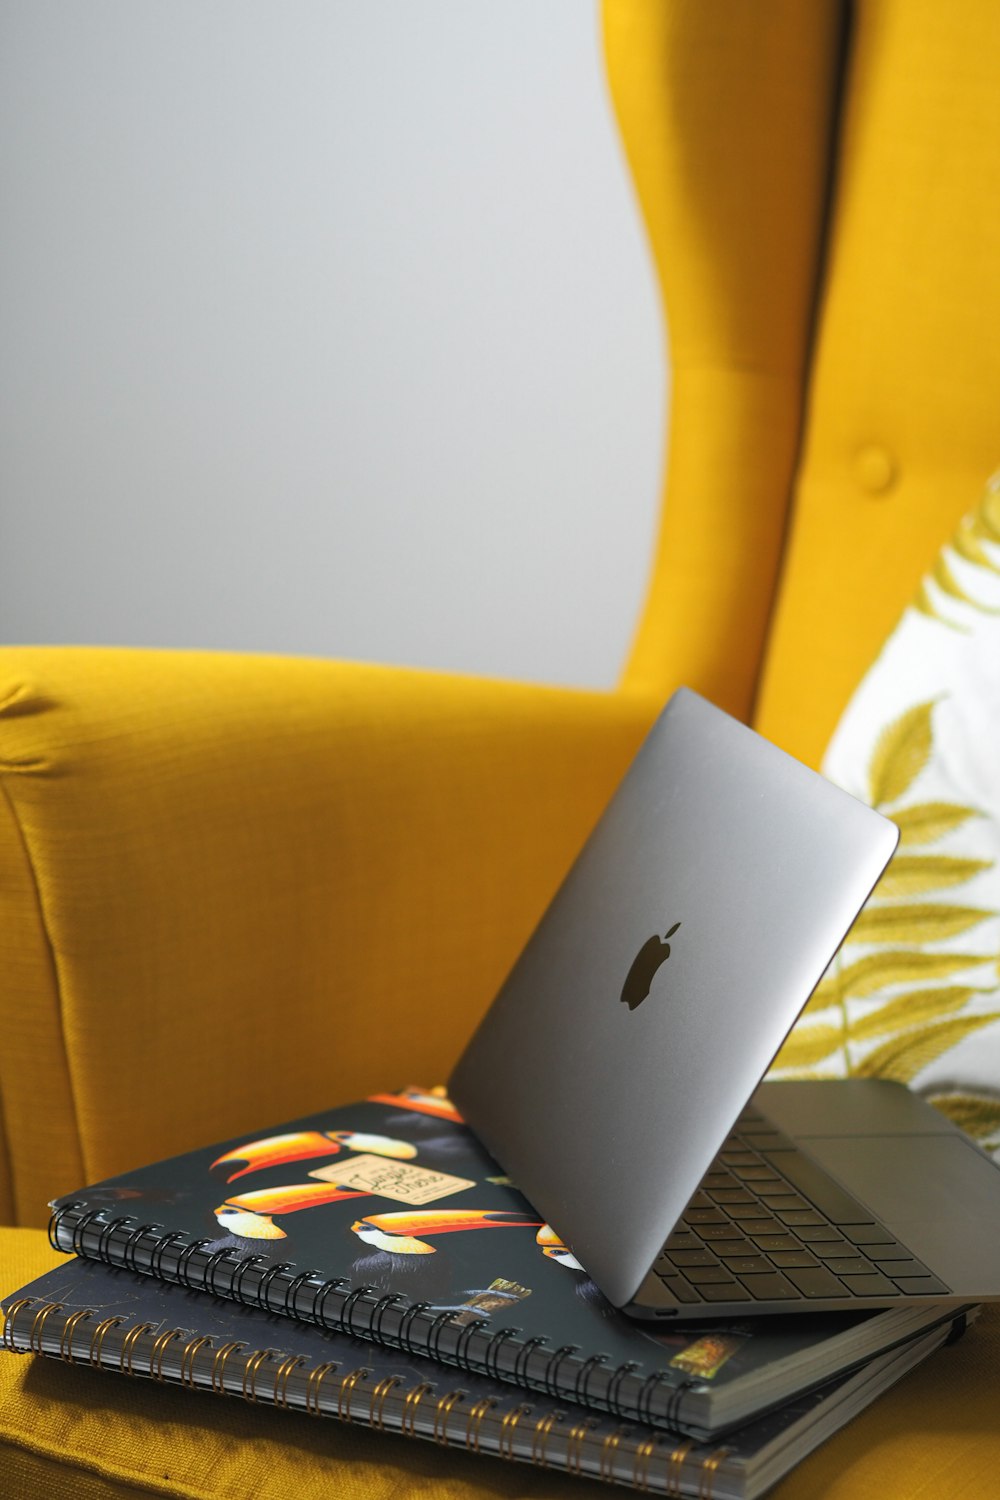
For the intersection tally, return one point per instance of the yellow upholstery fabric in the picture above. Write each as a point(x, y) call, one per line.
point(237, 888)
point(82, 1434)
point(255, 887)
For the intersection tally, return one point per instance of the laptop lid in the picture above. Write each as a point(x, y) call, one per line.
point(661, 981)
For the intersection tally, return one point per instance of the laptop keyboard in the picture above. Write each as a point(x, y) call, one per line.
point(769, 1225)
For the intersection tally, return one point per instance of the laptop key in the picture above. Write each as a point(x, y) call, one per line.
point(825, 1194)
point(796, 1217)
point(848, 1265)
point(815, 1282)
point(682, 1239)
point(743, 1265)
point(775, 1241)
point(685, 1258)
point(881, 1250)
point(769, 1287)
point(700, 1200)
point(921, 1286)
point(872, 1285)
point(869, 1234)
point(730, 1195)
point(723, 1292)
point(782, 1196)
point(726, 1248)
point(663, 1291)
point(712, 1232)
point(897, 1268)
point(754, 1220)
point(702, 1275)
point(813, 1234)
point(830, 1249)
point(792, 1258)
point(702, 1216)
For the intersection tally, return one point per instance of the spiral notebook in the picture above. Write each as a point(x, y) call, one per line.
point(86, 1314)
point(386, 1219)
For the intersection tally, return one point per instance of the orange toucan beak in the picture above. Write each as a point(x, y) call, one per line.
point(399, 1232)
point(275, 1150)
point(305, 1145)
point(251, 1214)
point(423, 1102)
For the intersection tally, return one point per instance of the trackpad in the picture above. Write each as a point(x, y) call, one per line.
point(936, 1193)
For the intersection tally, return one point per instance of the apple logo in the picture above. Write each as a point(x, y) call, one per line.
point(654, 952)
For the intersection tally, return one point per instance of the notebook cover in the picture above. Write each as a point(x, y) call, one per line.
point(88, 1314)
point(385, 1218)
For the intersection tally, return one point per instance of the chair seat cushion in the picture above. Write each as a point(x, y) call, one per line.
point(87, 1435)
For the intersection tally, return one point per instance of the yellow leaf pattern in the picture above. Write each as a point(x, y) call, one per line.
point(976, 1114)
point(912, 1009)
point(914, 923)
point(906, 1056)
point(926, 822)
point(912, 874)
point(897, 966)
point(901, 752)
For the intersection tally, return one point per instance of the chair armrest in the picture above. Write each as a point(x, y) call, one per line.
point(235, 889)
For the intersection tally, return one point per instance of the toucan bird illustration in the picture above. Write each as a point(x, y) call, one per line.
point(422, 1102)
point(399, 1233)
point(252, 1215)
point(302, 1145)
point(553, 1247)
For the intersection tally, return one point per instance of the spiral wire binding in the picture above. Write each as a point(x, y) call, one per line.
point(675, 1467)
point(38, 1325)
point(540, 1438)
point(414, 1396)
point(443, 1411)
point(586, 1370)
point(414, 1311)
point(219, 1362)
point(313, 1384)
point(378, 1395)
point(292, 1291)
point(288, 1364)
point(263, 1297)
point(550, 1375)
point(614, 1384)
point(212, 1265)
point(609, 1452)
point(9, 1319)
point(434, 1333)
point(491, 1354)
point(188, 1356)
point(68, 1330)
point(463, 1340)
point(129, 1342)
point(523, 1358)
point(508, 1430)
point(159, 1348)
point(709, 1469)
point(130, 1244)
point(350, 1302)
point(347, 1388)
point(252, 1368)
point(111, 1248)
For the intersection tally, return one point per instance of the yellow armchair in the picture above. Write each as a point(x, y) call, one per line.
point(237, 888)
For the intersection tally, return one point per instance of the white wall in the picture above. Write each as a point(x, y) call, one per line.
point(328, 327)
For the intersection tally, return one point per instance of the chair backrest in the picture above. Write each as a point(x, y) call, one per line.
point(821, 184)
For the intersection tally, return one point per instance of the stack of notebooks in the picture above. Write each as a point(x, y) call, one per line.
point(372, 1264)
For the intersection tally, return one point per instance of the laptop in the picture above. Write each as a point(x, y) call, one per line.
point(617, 1076)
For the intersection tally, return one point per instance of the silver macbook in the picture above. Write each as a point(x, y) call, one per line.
point(617, 1076)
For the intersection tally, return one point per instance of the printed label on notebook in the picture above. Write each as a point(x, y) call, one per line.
point(393, 1179)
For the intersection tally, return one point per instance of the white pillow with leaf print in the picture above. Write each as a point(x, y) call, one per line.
point(914, 993)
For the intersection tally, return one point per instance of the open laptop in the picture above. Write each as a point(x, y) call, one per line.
point(616, 1075)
